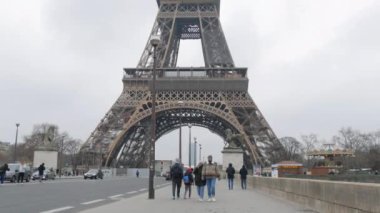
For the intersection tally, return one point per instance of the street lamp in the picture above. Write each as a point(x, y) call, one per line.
point(195, 152)
point(200, 152)
point(180, 133)
point(190, 145)
point(61, 156)
point(15, 152)
point(154, 41)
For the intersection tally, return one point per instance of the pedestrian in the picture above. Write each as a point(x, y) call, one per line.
point(199, 182)
point(21, 173)
point(41, 170)
point(176, 172)
point(230, 176)
point(188, 181)
point(3, 170)
point(210, 172)
point(243, 177)
point(137, 173)
point(100, 174)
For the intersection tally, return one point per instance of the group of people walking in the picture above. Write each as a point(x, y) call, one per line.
point(230, 171)
point(204, 175)
point(20, 172)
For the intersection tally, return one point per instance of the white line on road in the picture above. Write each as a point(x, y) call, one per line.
point(131, 192)
point(143, 189)
point(116, 196)
point(59, 209)
point(92, 202)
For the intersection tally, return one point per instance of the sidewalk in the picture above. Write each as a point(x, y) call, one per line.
point(237, 200)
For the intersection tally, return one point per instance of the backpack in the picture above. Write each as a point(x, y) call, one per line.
point(186, 179)
point(177, 172)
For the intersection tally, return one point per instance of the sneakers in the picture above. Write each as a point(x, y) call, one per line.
point(173, 198)
point(211, 199)
point(200, 200)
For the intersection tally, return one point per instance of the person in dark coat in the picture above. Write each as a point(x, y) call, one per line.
point(188, 180)
point(199, 182)
point(3, 171)
point(243, 177)
point(176, 173)
point(230, 176)
point(41, 170)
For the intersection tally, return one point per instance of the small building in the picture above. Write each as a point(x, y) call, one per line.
point(284, 168)
point(5, 146)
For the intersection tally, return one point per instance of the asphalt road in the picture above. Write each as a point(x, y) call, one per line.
point(70, 195)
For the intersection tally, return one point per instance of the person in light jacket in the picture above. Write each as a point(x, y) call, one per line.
point(209, 173)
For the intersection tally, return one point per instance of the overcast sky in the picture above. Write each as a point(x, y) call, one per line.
point(314, 66)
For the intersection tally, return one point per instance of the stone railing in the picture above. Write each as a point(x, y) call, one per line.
point(323, 196)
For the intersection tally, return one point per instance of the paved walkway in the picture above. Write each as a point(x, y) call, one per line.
point(237, 200)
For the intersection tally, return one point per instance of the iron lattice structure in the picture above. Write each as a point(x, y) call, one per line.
point(214, 96)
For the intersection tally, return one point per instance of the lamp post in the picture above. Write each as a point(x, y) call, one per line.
point(189, 145)
point(154, 41)
point(61, 156)
point(200, 152)
point(15, 152)
point(195, 152)
point(180, 133)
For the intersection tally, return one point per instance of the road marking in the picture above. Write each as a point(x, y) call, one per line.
point(131, 192)
point(143, 189)
point(116, 196)
point(59, 209)
point(92, 202)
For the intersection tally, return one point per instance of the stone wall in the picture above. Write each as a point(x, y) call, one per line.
point(323, 196)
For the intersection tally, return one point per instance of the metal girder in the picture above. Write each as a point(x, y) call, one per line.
point(214, 97)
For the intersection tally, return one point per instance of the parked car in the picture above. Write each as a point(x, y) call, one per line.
point(167, 175)
point(93, 174)
point(48, 175)
point(14, 169)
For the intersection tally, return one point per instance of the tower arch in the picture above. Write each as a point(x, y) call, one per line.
point(218, 91)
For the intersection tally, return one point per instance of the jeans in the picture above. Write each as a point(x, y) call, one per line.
point(176, 183)
point(2, 176)
point(20, 177)
point(230, 183)
point(201, 191)
point(187, 189)
point(244, 183)
point(210, 182)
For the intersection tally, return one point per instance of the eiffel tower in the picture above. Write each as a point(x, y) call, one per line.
point(214, 96)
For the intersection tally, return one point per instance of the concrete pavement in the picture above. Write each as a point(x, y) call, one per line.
point(237, 200)
point(69, 195)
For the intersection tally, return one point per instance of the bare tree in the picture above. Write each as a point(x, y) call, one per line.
point(310, 143)
point(351, 139)
point(374, 151)
point(293, 148)
point(71, 149)
point(62, 141)
point(364, 146)
point(4, 157)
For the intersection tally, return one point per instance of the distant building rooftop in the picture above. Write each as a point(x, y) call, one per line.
point(5, 146)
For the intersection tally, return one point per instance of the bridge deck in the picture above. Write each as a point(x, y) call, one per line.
point(237, 200)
